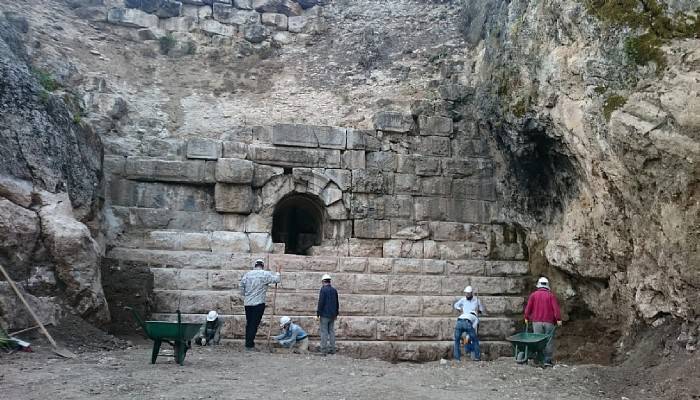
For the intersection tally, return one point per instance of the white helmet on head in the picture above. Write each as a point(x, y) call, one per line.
point(326, 277)
point(260, 262)
point(212, 315)
point(284, 321)
point(543, 283)
point(468, 289)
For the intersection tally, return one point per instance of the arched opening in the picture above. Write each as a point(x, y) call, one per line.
point(298, 223)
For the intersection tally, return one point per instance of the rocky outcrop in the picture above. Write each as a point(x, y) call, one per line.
point(600, 149)
point(49, 181)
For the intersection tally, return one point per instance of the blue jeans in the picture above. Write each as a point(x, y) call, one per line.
point(462, 326)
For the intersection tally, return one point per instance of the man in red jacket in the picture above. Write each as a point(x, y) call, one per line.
point(543, 310)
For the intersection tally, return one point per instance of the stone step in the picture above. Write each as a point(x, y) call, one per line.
point(230, 302)
point(324, 264)
point(358, 283)
point(415, 351)
point(363, 328)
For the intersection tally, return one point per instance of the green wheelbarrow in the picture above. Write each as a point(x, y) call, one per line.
point(528, 345)
point(177, 334)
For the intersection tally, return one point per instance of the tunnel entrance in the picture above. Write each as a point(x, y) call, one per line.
point(297, 222)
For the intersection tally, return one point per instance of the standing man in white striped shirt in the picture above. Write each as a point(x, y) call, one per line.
point(254, 289)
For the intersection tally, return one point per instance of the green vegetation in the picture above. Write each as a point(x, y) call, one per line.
point(77, 118)
point(46, 80)
point(520, 108)
point(612, 103)
point(651, 17)
point(190, 48)
point(44, 97)
point(600, 89)
point(167, 43)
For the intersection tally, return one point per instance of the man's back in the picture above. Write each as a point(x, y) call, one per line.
point(254, 286)
point(328, 306)
point(542, 306)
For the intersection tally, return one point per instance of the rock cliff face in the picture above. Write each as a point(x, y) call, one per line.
point(599, 138)
point(50, 178)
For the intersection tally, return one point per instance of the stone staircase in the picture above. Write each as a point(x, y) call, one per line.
point(391, 308)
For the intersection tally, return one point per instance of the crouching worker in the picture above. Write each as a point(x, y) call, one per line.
point(467, 324)
point(210, 332)
point(292, 337)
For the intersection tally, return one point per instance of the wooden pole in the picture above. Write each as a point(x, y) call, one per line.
point(274, 309)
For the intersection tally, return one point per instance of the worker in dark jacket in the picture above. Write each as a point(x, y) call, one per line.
point(327, 311)
point(543, 311)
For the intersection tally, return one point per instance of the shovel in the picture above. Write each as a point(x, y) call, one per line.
point(59, 351)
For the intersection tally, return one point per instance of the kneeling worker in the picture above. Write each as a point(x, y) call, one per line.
point(292, 337)
point(210, 332)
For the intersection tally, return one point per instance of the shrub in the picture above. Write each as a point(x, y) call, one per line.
point(167, 43)
point(46, 80)
point(612, 103)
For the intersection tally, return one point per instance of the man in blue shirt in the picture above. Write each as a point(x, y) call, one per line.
point(253, 290)
point(328, 310)
point(293, 336)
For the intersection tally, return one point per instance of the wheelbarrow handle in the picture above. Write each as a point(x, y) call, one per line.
point(137, 318)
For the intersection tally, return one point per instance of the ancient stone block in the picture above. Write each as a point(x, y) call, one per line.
point(362, 305)
point(372, 229)
point(255, 33)
point(243, 4)
point(233, 198)
point(371, 181)
point(294, 157)
point(286, 7)
point(195, 241)
point(468, 167)
point(448, 230)
point(410, 230)
point(399, 206)
point(367, 283)
point(365, 248)
point(132, 18)
point(405, 285)
point(436, 186)
point(260, 242)
point(403, 249)
point(474, 188)
point(406, 184)
point(438, 126)
point(390, 329)
point(358, 327)
point(454, 250)
point(279, 21)
point(431, 208)
point(263, 173)
point(169, 9)
point(331, 194)
point(434, 306)
point(297, 24)
point(464, 148)
point(427, 166)
point(391, 121)
point(353, 159)
point(420, 328)
point(433, 146)
point(381, 160)
point(229, 15)
point(474, 211)
point(380, 265)
point(149, 169)
point(366, 206)
point(408, 266)
point(353, 264)
point(455, 91)
point(403, 305)
point(337, 211)
point(225, 279)
point(177, 24)
point(233, 170)
point(234, 222)
point(362, 140)
point(300, 263)
point(341, 177)
point(217, 28)
point(507, 268)
point(230, 242)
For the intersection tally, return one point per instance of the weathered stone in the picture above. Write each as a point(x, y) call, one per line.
point(365, 248)
point(177, 24)
point(331, 194)
point(433, 146)
point(465, 148)
point(436, 186)
point(169, 8)
point(406, 184)
point(358, 327)
point(474, 211)
point(380, 265)
point(403, 249)
point(381, 160)
point(372, 229)
point(433, 267)
point(226, 280)
point(282, 38)
point(203, 148)
point(297, 24)
point(407, 229)
point(217, 28)
point(20, 191)
point(255, 33)
point(232, 170)
point(132, 18)
point(363, 305)
point(403, 305)
point(279, 21)
point(366, 206)
point(149, 169)
point(230, 242)
point(353, 264)
point(286, 7)
point(408, 266)
point(243, 4)
point(371, 181)
point(474, 188)
point(469, 167)
point(229, 15)
point(195, 241)
point(289, 157)
point(431, 208)
point(309, 136)
point(19, 233)
point(454, 91)
point(307, 180)
point(263, 173)
point(233, 198)
point(399, 206)
point(95, 14)
point(427, 166)
point(354, 159)
point(393, 121)
point(362, 140)
point(341, 177)
point(260, 242)
point(439, 126)
point(235, 150)
point(337, 211)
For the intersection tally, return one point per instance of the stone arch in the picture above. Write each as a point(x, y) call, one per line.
point(298, 222)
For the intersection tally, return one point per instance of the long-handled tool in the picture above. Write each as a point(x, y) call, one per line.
point(60, 351)
point(274, 309)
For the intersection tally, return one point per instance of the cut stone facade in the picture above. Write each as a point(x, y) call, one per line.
point(402, 229)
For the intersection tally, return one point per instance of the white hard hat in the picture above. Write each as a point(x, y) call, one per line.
point(258, 261)
point(543, 282)
point(468, 289)
point(326, 277)
point(212, 315)
point(284, 321)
